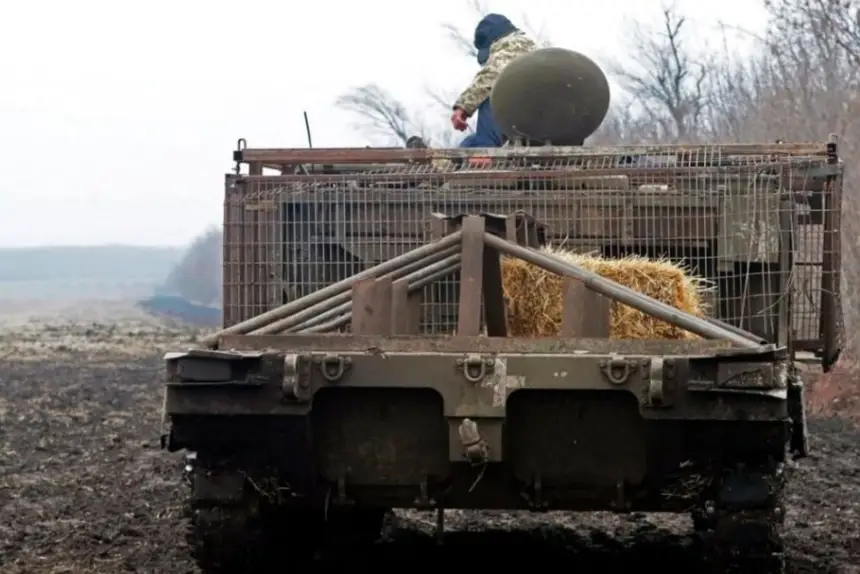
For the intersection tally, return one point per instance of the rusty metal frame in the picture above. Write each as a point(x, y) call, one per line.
point(326, 165)
point(831, 326)
point(542, 164)
point(412, 343)
point(480, 246)
point(275, 158)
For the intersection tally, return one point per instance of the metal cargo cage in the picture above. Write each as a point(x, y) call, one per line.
point(760, 223)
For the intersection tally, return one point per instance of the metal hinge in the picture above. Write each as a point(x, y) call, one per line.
point(296, 382)
point(661, 376)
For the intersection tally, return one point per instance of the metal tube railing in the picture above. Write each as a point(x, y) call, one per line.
point(736, 330)
point(413, 276)
point(284, 312)
point(419, 284)
point(344, 298)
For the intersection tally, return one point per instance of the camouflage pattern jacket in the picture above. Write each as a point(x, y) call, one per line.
point(503, 51)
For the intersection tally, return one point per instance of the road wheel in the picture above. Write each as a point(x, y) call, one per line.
point(744, 543)
point(746, 523)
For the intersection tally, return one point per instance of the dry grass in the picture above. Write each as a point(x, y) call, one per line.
point(836, 392)
point(535, 296)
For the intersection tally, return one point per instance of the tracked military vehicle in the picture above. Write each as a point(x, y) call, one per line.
point(365, 362)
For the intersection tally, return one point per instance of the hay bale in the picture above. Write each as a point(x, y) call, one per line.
point(534, 296)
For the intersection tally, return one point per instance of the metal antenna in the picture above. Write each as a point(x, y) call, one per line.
point(308, 130)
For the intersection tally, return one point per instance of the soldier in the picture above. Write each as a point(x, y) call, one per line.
point(498, 42)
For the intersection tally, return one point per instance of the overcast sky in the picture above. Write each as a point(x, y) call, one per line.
point(117, 119)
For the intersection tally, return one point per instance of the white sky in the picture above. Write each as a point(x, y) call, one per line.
point(118, 119)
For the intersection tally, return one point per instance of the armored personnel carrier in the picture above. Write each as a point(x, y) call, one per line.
point(368, 359)
point(364, 363)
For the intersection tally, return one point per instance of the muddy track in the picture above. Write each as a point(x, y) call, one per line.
point(85, 488)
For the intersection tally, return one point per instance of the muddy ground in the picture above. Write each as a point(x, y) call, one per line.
point(84, 486)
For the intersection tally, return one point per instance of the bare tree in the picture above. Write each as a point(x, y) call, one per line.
point(838, 19)
point(462, 39)
point(799, 85)
point(664, 80)
point(380, 112)
point(624, 126)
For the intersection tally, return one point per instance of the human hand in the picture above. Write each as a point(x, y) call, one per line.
point(459, 120)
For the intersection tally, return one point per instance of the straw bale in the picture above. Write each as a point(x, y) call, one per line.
point(534, 296)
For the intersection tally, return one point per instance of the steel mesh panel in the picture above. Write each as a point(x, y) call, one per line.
point(751, 223)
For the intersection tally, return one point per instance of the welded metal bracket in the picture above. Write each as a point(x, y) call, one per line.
point(296, 382)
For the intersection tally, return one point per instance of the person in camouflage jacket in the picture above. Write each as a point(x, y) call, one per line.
point(498, 43)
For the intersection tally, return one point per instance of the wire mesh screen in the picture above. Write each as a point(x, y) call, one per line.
point(760, 227)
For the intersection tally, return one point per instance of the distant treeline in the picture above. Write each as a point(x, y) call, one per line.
point(193, 272)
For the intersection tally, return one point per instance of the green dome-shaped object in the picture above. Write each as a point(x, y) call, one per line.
point(551, 95)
